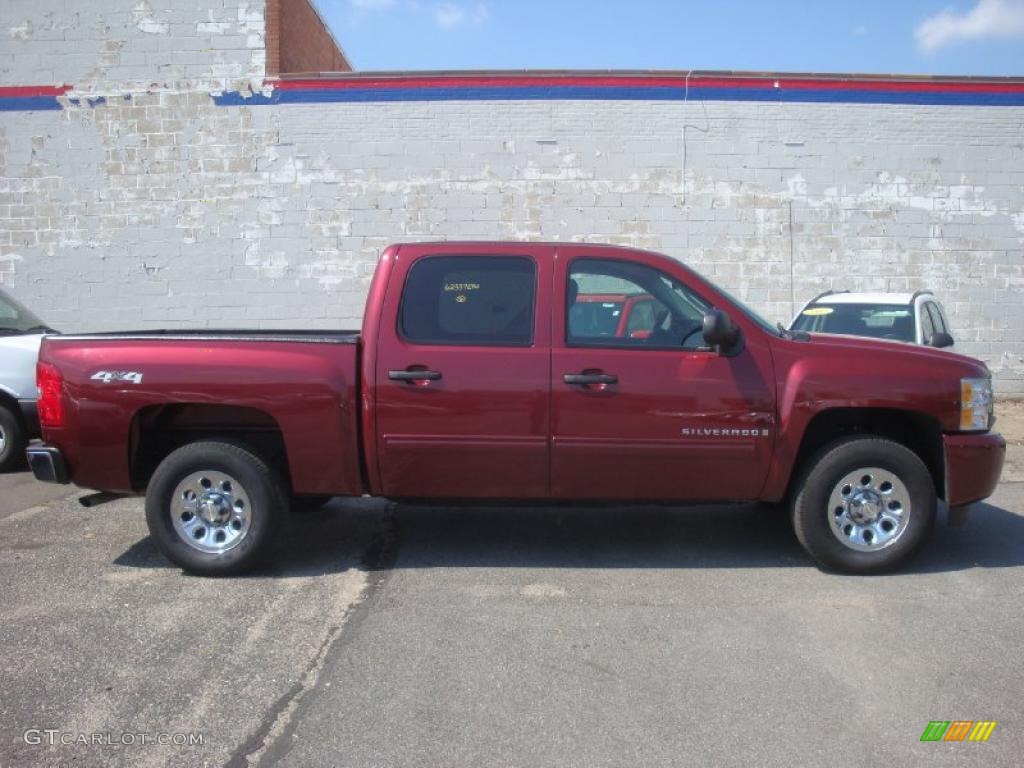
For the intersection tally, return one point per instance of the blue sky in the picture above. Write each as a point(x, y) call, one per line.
point(968, 37)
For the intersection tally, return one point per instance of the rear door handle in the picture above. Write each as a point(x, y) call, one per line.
point(414, 375)
point(583, 379)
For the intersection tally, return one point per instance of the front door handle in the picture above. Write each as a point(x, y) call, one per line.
point(583, 379)
point(414, 375)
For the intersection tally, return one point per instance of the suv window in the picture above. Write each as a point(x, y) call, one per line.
point(476, 300)
point(660, 312)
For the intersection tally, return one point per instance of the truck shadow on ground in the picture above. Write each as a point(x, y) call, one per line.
point(397, 536)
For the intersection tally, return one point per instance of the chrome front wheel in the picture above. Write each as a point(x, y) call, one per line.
point(863, 504)
point(869, 509)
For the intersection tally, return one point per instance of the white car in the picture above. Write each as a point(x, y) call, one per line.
point(916, 318)
point(20, 335)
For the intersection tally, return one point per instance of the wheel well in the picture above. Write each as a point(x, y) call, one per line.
point(11, 403)
point(160, 429)
point(919, 432)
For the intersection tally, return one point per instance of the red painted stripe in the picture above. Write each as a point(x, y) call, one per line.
point(23, 91)
point(500, 81)
point(470, 82)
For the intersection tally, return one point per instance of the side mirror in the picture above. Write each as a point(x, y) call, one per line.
point(719, 329)
point(940, 340)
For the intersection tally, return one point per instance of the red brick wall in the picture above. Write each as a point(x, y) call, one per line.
point(298, 40)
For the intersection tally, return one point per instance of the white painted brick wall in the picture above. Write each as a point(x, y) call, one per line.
point(157, 208)
point(122, 45)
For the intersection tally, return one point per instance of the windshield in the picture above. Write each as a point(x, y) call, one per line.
point(877, 321)
point(14, 318)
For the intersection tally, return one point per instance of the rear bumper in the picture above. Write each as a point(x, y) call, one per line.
point(973, 464)
point(47, 464)
point(30, 412)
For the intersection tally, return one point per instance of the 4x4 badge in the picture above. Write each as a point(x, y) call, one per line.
point(107, 377)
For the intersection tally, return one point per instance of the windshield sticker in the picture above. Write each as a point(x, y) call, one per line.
point(815, 311)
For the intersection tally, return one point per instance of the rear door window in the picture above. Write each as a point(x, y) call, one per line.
point(472, 300)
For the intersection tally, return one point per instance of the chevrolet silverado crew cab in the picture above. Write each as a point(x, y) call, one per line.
point(475, 377)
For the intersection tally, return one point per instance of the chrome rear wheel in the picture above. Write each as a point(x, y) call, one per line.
point(213, 507)
point(210, 511)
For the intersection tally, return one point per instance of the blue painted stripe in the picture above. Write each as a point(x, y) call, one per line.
point(29, 103)
point(625, 93)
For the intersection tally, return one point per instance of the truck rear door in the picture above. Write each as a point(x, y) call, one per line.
point(462, 372)
point(652, 414)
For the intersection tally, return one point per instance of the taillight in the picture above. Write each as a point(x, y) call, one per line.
point(51, 397)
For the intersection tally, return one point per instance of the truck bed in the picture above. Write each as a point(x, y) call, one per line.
point(294, 391)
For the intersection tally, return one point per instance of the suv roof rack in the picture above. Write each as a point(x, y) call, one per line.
point(927, 291)
point(829, 292)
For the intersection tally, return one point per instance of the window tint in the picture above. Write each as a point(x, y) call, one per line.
point(481, 300)
point(619, 303)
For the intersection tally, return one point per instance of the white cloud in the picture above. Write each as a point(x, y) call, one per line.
point(860, 30)
point(988, 20)
point(448, 15)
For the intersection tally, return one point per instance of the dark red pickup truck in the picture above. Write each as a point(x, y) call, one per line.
point(474, 378)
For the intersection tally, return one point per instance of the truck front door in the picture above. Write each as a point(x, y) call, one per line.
point(463, 371)
point(652, 414)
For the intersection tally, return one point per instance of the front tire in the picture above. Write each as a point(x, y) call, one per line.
point(213, 508)
point(12, 439)
point(864, 505)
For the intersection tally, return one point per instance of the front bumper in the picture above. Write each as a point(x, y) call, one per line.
point(973, 464)
point(47, 464)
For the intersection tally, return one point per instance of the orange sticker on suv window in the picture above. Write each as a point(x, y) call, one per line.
point(815, 311)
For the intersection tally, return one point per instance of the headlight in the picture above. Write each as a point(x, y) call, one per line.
point(975, 404)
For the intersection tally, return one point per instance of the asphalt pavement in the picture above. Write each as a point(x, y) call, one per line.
point(388, 635)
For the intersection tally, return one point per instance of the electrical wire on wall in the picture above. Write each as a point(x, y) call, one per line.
point(792, 280)
point(705, 129)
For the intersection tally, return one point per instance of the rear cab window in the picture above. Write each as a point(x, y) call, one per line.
point(469, 300)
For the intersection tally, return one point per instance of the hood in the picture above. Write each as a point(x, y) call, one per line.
point(954, 362)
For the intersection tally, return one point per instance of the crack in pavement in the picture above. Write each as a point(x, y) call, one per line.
point(269, 743)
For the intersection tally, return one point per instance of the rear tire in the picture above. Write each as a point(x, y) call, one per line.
point(864, 505)
point(213, 508)
point(12, 439)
